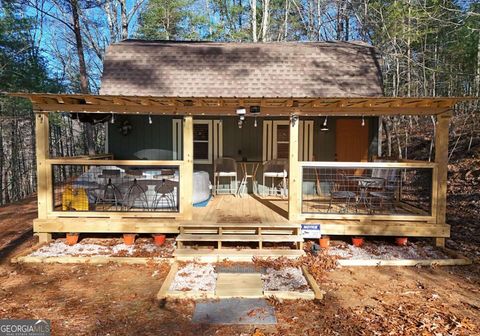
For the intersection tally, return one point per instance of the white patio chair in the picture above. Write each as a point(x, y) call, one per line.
point(275, 169)
point(225, 167)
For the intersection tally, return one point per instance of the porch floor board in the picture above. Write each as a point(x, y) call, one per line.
point(231, 209)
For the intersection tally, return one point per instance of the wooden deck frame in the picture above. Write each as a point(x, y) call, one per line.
point(155, 222)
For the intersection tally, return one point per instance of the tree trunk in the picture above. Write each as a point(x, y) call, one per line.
point(253, 5)
point(265, 18)
point(84, 87)
point(409, 51)
point(123, 11)
point(477, 79)
point(380, 136)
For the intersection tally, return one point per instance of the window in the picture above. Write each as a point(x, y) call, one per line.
point(282, 141)
point(202, 141)
point(276, 137)
point(281, 137)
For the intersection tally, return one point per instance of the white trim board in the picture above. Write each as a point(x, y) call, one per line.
point(270, 139)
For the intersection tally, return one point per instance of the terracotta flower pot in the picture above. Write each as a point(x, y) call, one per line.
point(159, 239)
point(129, 238)
point(401, 241)
point(358, 241)
point(72, 238)
point(325, 242)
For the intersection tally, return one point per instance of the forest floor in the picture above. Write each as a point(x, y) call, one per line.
point(120, 299)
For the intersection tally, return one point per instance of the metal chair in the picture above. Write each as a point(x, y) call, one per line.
point(165, 191)
point(339, 192)
point(135, 192)
point(385, 197)
point(111, 193)
point(275, 169)
point(225, 167)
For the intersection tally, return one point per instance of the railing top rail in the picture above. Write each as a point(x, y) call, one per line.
point(336, 164)
point(116, 162)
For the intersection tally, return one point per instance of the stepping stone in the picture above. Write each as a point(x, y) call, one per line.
point(234, 311)
point(245, 285)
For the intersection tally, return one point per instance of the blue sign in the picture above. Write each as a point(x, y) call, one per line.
point(311, 231)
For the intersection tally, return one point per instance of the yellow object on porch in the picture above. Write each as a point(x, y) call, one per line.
point(74, 199)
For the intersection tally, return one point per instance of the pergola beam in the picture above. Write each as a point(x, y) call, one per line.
point(270, 106)
point(230, 110)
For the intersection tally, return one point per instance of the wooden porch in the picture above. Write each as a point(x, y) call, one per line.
point(303, 206)
point(246, 213)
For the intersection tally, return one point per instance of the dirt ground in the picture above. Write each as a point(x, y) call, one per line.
point(120, 300)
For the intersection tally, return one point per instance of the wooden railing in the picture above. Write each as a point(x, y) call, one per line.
point(85, 187)
point(400, 191)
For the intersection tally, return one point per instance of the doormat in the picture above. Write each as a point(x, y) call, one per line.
point(234, 311)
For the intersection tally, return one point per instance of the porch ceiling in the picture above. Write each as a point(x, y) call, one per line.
point(218, 106)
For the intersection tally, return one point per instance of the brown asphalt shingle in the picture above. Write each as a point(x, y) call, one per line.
point(199, 69)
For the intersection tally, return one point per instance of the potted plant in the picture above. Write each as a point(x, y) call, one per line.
point(72, 238)
point(401, 241)
point(325, 242)
point(159, 239)
point(129, 238)
point(358, 241)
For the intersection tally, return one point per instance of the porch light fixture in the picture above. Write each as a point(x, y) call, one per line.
point(150, 119)
point(363, 121)
point(255, 122)
point(293, 119)
point(324, 126)
point(254, 109)
point(112, 120)
point(241, 110)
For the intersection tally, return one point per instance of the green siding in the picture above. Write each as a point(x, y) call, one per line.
point(237, 143)
point(143, 136)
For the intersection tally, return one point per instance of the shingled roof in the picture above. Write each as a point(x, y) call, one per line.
point(208, 69)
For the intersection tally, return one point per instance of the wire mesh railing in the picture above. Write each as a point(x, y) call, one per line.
point(115, 188)
point(363, 190)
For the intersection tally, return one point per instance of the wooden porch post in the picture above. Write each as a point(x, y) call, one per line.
point(186, 178)
point(441, 158)
point(295, 173)
point(42, 154)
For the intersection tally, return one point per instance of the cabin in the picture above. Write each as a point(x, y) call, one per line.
point(225, 144)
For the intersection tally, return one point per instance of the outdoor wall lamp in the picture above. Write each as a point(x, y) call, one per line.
point(324, 127)
point(363, 121)
point(293, 119)
point(112, 120)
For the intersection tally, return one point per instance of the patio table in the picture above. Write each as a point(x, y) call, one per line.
point(249, 170)
point(365, 183)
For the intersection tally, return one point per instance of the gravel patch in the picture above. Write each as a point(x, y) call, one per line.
point(59, 249)
point(285, 279)
point(384, 251)
point(195, 277)
point(106, 247)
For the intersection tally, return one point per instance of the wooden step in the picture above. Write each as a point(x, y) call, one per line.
point(251, 231)
point(237, 225)
point(201, 231)
point(214, 255)
point(238, 238)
